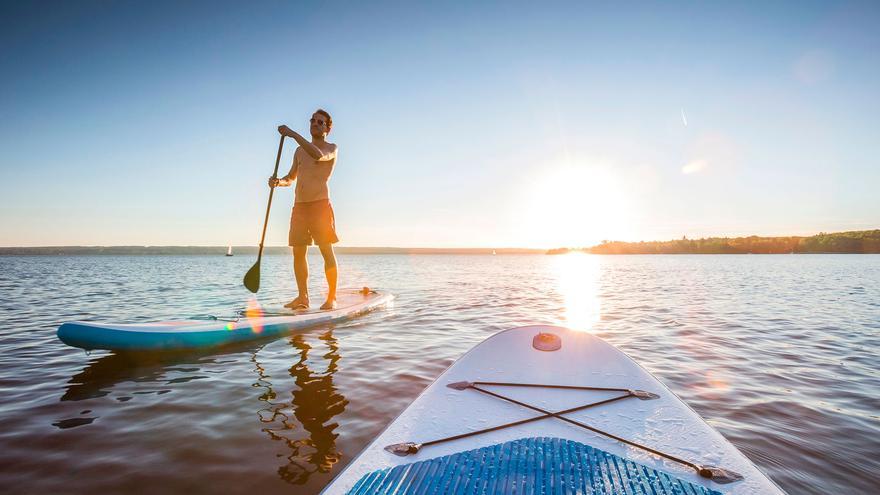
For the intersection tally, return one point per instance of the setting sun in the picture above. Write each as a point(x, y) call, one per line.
point(576, 204)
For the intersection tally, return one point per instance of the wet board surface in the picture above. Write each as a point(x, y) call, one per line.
point(547, 455)
point(194, 334)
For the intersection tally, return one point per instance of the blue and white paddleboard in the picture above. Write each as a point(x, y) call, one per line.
point(194, 334)
point(637, 437)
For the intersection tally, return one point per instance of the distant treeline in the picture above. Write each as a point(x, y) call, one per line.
point(862, 241)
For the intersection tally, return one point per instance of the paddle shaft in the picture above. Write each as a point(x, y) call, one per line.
point(271, 192)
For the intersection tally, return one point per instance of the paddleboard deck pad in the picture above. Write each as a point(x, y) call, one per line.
point(194, 334)
point(549, 410)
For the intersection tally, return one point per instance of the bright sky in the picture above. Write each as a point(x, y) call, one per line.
point(490, 125)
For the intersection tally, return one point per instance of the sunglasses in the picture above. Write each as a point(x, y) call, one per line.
point(318, 122)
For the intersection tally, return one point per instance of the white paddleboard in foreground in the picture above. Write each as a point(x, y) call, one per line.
point(561, 454)
point(195, 334)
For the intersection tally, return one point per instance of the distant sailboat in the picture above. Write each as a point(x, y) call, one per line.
point(229, 251)
point(493, 252)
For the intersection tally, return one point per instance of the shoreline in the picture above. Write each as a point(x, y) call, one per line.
point(850, 242)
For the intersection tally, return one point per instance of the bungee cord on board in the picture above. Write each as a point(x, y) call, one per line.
point(714, 473)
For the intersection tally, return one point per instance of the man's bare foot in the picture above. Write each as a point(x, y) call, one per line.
point(298, 303)
point(329, 304)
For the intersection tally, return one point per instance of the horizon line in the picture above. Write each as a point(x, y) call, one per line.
point(250, 246)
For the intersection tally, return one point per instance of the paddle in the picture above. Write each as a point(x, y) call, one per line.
point(252, 277)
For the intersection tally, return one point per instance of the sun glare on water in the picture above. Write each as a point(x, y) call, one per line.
point(577, 276)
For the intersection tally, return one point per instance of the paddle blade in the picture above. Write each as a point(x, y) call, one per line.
point(252, 278)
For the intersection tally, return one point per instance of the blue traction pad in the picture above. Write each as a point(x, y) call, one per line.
point(550, 466)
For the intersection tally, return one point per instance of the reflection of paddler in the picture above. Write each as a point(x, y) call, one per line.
point(315, 402)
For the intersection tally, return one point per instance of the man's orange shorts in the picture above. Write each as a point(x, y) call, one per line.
point(312, 221)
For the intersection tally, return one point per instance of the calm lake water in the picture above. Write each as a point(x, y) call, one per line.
point(779, 353)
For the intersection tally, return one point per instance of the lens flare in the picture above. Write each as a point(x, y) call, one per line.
point(254, 311)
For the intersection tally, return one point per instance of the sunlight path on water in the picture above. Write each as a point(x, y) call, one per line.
point(578, 281)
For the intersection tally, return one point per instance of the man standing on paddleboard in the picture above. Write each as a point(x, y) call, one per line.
point(312, 217)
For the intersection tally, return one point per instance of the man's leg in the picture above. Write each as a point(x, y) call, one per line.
point(301, 272)
point(330, 272)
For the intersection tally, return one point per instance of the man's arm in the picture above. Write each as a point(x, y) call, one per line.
point(312, 150)
point(287, 179)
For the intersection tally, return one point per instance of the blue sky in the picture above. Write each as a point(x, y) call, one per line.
point(460, 124)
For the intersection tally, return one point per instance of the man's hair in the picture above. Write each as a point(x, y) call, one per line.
point(326, 114)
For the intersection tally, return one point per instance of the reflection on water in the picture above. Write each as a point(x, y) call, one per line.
point(314, 403)
point(162, 368)
point(302, 420)
point(577, 277)
point(102, 374)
